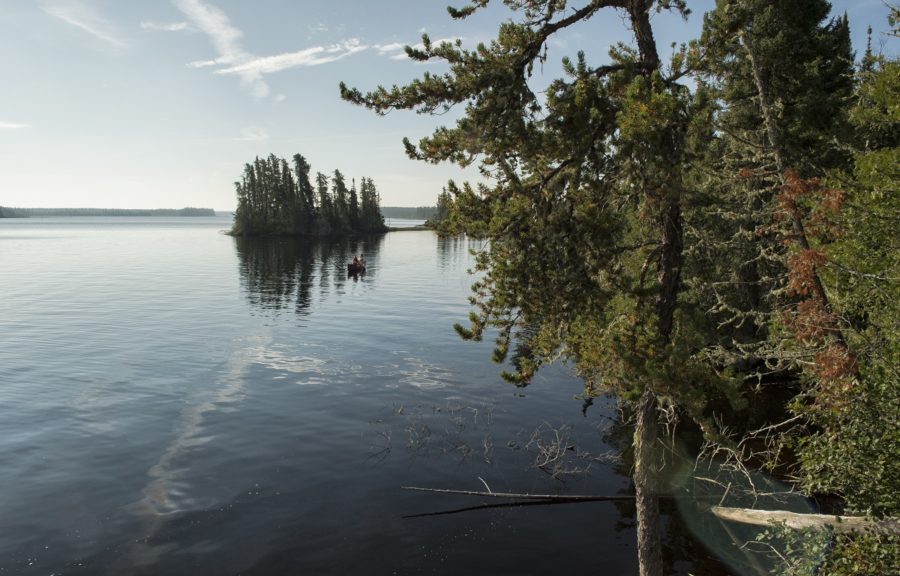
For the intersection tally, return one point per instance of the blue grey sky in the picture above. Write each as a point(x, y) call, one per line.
point(158, 103)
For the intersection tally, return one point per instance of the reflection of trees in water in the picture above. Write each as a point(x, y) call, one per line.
point(452, 248)
point(279, 274)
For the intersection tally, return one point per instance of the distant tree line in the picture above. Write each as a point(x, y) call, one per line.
point(408, 212)
point(7, 212)
point(278, 198)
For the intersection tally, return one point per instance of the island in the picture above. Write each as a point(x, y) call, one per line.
point(276, 198)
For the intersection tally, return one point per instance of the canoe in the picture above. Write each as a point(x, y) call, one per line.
point(355, 268)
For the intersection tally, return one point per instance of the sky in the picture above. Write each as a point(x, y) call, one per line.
point(160, 103)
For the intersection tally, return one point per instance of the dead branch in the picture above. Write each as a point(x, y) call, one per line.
point(559, 497)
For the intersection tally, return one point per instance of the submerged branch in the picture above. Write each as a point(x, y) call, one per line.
point(491, 506)
point(556, 497)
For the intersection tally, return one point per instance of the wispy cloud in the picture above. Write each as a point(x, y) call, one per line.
point(226, 40)
point(216, 25)
point(84, 18)
point(165, 26)
point(203, 63)
point(389, 48)
point(13, 126)
point(232, 59)
point(253, 135)
point(314, 56)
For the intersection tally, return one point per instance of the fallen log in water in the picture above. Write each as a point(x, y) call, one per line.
point(799, 521)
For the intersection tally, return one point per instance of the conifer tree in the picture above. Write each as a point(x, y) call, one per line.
point(326, 206)
point(585, 202)
point(774, 114)
point(353, 206)
point(788, 215)
point(341, 206)
point(305, 193)
point(370, 214)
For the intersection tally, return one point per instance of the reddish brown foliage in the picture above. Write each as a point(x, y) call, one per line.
point(802, 271)
point(832, 200)
point(834, 364)
point(795, 188)
point(835, 369)
point(810, 321)
point(821, 221)
point(826, 203)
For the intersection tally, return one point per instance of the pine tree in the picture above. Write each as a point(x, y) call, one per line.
point(353, 207)
point(586, 199)
point(326, 205)
point(371, 219)
point(340, 194)
point(305, 193)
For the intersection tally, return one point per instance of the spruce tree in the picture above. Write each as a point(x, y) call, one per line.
point(353, 207)
point(326, 205)
point(772, 114)
point(341, 208)
point(370, 213)
point(305, 193)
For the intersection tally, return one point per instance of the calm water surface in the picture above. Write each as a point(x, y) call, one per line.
point(177, 401)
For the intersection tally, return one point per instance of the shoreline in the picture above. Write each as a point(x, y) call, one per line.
point(418, 228)
point(408, 228)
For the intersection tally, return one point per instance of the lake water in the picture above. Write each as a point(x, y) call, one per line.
point(177, 401)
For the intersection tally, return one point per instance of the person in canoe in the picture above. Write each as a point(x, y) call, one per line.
point(358, 265)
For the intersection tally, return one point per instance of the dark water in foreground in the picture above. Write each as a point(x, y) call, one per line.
point(176, 401)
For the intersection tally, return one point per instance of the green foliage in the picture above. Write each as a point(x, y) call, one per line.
point(809, 89)
point(853, 451)
point(822, 552)
point(863, 555)
point(583, 209)
point(444, 219)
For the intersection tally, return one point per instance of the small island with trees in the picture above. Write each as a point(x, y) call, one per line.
point(277, 198)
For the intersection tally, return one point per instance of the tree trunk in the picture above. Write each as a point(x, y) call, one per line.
point(646, 480)
point(645, 487)
point(670, 262)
